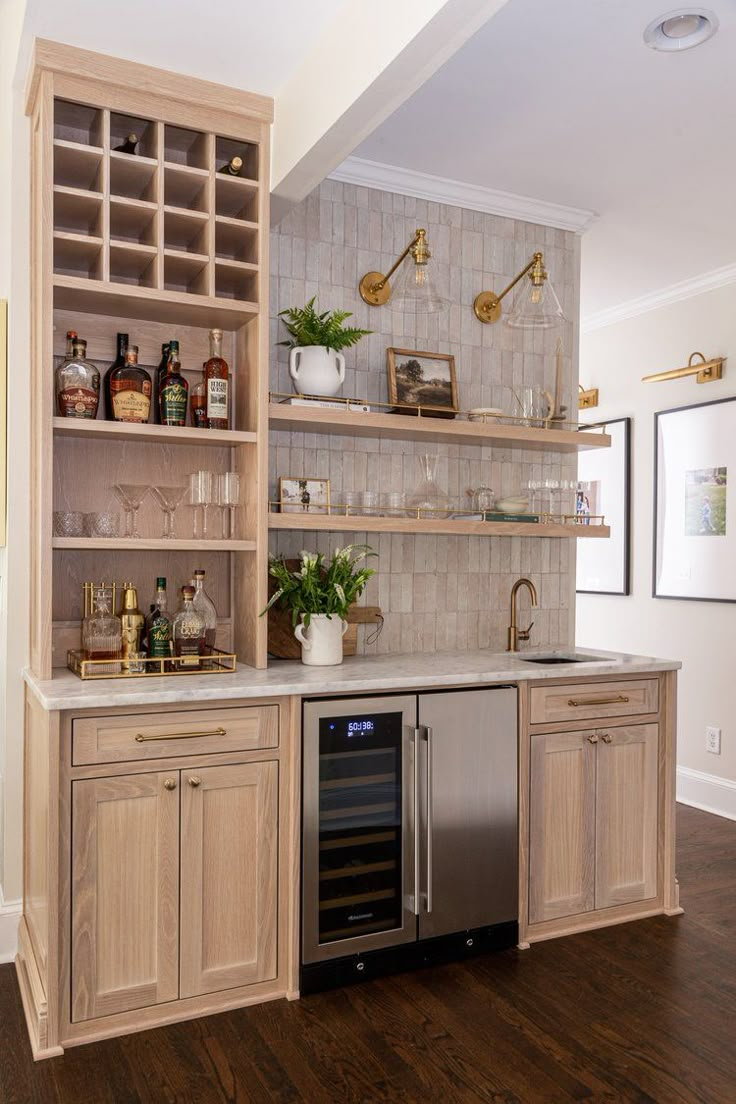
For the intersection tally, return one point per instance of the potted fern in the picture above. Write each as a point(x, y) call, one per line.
point(316, 362)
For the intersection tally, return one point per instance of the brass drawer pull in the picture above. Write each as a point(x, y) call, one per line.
point(170, 784)
point(141, 739)
point(195, 781)
point(619, 699)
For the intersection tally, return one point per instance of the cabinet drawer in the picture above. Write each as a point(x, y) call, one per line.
point(117, 739)
point(593, 700)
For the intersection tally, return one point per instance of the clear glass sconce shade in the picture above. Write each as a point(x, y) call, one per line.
point(414, 289)
point(535, 307)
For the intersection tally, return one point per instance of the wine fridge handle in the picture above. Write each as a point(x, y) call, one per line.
point(428, 736)
point(417, 889)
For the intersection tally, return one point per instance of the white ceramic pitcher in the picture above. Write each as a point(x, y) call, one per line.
point(316, 370)
point(322, 641)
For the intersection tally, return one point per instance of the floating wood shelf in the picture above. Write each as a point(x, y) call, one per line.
point(333, 523)
point(154, 544)
point(397, 427)
point(102, 430)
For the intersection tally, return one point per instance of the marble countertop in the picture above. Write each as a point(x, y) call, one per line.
point(357, 675)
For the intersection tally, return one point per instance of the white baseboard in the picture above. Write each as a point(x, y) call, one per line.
point(707, 792)
point(9, 919)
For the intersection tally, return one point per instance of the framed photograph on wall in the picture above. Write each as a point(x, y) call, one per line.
point(604, 487)
point(425, 380)
point(304, 496)
point(694, 507)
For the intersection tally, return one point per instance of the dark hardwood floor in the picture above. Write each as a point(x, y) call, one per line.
point(642, 1012)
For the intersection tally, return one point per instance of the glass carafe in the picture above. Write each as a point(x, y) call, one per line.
point(102, 633)
point(428, 499)
point(203, 604)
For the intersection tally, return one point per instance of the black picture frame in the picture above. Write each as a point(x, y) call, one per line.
point(593, 547)
point(658, 467)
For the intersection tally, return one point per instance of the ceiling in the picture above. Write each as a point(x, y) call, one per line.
point(247, 44)
point(563, 102)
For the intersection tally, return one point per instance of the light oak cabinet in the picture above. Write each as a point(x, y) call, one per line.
point(153, 920)
point(593, 815)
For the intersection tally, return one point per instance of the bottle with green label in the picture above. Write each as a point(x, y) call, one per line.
point(173, 394)
point(158, 625)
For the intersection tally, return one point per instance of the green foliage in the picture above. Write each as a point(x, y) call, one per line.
point(317, 587)
point(309, 328)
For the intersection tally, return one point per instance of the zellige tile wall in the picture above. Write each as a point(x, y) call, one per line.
point(436, 592)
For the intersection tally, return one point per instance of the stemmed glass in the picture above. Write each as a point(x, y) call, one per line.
point(168, 499)
point(201, 494)
point(228, 496)
point(130, 496)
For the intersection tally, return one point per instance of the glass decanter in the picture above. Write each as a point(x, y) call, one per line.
point(203, 604)
point(102, 633)
point(428, 498)
point(188, 631)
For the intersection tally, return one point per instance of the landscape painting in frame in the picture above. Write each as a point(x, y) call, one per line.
point(603, 490)
point(422, 383)
point(304, 496)
point(695, 530)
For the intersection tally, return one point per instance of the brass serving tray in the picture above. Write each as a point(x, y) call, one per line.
point(215, 663)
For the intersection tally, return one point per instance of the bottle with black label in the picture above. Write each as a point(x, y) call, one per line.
point(173, 392)
point(130, 389)
point(119, 361)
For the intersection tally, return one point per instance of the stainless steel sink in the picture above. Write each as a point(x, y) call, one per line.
point(548, 660)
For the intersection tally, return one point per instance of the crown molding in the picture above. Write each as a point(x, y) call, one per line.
point(473, 197)
point(673, 293)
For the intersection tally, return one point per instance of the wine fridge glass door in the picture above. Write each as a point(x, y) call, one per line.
point(358, 826)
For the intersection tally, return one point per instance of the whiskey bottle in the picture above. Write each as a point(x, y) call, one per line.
point(173, 391)
point(132, 625)
point(119, 361)
point(130, 389)
point(158, 625)
point(198, 403)
point(129, 145)
point(189, 633)
point(160, 373)
point(77, 384)
point(204, 605)
point(234, 167)
point(217, 383)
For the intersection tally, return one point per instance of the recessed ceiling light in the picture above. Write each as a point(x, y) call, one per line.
point(681, 29)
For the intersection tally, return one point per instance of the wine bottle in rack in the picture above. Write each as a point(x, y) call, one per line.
point(119, 361)
point(217, 383)
point(129, 145)
point(173, 392)
point(234, 167)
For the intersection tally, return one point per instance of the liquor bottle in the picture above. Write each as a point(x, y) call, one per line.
point(129, 145)
point(234, 167)
point(77, 384)
point(198, 403)
point(204, 605)
point(102, 632)
point(189, 633)
point(160, 373)
point(173, 391)
point(158, 625)
point(130, 389)
point(71, 337)
point(119, 361)
point(132, 623)
point(217, 383)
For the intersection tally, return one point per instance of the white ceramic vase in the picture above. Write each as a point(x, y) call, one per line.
point(316, 370)
point(322, 641)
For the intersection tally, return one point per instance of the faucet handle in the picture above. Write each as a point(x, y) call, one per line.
point(523, 634)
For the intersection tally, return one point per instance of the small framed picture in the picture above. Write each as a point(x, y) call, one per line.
point(304, 496)
point(422, 383)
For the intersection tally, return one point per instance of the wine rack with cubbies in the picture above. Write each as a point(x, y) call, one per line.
point(158, 244)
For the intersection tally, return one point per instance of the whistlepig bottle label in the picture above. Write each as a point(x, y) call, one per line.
point(174, 402)
point(130, 405)
point(78, 402)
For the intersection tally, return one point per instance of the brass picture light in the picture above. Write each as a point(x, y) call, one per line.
point(535, 306)
point(415, 289)
point(706, 371)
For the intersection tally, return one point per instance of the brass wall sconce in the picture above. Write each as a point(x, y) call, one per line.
point(707, 371)
point(588, 398)
point(535, 306)
point(415, 290)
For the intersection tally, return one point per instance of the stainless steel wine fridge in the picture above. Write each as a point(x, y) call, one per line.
point(410, 831)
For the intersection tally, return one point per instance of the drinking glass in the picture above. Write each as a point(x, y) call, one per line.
point(68, 523)
point(201, 495)
point(395, 504)
point(369, 502)
point(130, 496)
point(168, 499)
point(353, 502)
point(228, 496)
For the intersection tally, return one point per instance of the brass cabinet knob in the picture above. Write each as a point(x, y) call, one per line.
point(194, 781)
point(592, 739)
point(170, 784)
point(607, 738)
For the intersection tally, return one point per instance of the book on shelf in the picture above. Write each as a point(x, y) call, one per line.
point(328, 404)
point(495, 515)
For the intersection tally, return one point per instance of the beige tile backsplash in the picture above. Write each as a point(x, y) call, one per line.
point(436, 592)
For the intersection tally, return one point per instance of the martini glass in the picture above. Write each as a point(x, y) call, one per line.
point(131, 495)
point(168, 499)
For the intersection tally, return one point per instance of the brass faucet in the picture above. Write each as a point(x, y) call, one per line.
point(515, 634)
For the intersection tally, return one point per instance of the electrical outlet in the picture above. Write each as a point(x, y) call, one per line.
point(713, 740)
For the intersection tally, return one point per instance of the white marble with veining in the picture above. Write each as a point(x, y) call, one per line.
point(357, 675)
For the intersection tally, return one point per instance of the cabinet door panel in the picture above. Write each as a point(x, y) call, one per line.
point(125, 893)
point(626, 815)
point(562, 825)
point(228, 876)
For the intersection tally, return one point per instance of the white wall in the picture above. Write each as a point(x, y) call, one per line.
point(701, 634)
